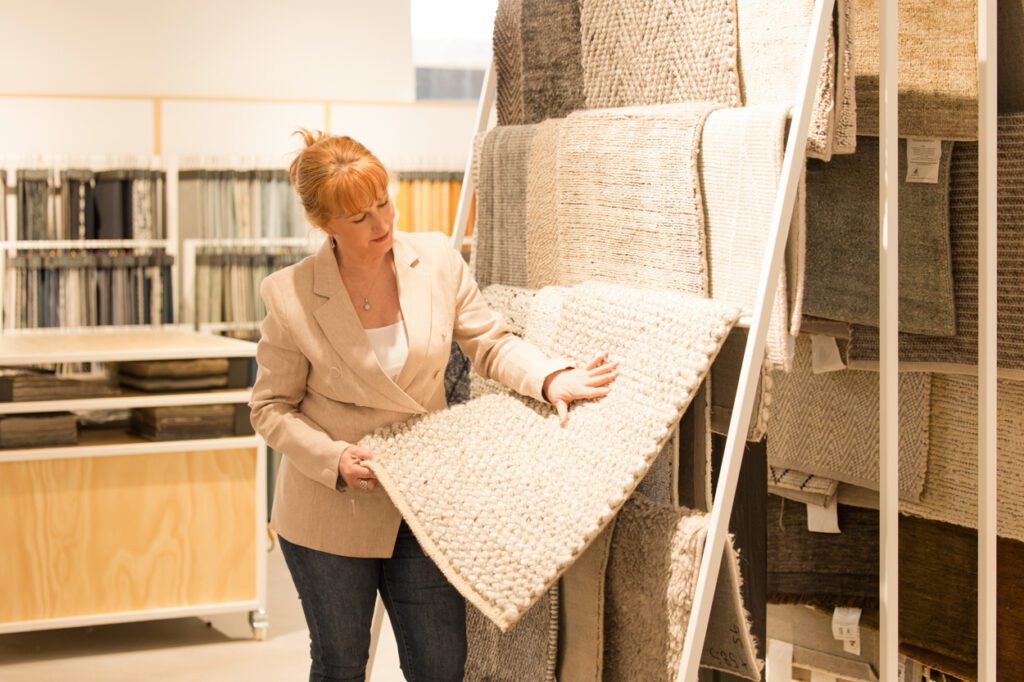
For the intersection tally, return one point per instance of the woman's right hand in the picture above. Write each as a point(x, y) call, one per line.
point(352, 470)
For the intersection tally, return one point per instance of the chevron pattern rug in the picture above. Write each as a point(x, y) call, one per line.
point(638, 52)
point(508, 62)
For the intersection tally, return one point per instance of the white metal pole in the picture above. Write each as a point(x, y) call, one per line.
point(889, 441)
point(483, 114)
point(782, 214)
point(987, 369)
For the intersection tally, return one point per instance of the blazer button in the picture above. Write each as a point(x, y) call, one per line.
point(335, 372)
point(444, 336)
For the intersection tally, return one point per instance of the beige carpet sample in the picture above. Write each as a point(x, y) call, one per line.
point(841, 410)
point(500, 231)
point(441, 470)
point(959, 354)
point(508, 62)
point(637, 52)
point(528, 651)
point(741, 156)
point(629, 198)
point(725, 377)
point(773, 40)
point(951, 491)
point(582, 613)
point(938, 79)
point(652, 578)
point(552, 63)
point(542, 254)
point(842, 243)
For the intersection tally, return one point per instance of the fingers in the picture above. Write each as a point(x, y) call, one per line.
point(598, 361)
point(603, 369)
point(563, 412)
point(602, 380)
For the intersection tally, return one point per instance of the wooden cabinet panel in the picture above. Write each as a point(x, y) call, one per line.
point(101, 535)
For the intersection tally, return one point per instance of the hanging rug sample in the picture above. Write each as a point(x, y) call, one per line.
point(442, 470)
point(652, 579)
point(500, 230)
point(508, 62)
point(528, 651)
point(741, 156)
point(841, 410)
point(629, 197)
point(542, 244)
point(773, 40)
point(637, 52)
point(841, 277)
point(552, 60)
point(938, 79)
point(959, 354)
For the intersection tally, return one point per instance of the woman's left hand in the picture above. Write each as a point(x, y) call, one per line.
point(567, 385)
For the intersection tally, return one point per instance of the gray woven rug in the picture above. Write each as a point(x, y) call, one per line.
point(959, 354)
point(528, 651)
point(938, 83)
point(841, 410)
point(552, 60)
point(508, 62)
point(637, 52)
point(500, 231)
point(842, 243)
point(441, 469)
point(629, 199)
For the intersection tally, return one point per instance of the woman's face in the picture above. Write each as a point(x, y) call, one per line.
point(365, 235)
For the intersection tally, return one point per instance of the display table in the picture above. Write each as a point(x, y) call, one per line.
point(118, 528)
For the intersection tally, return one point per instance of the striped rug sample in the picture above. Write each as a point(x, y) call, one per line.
point(958, 354)
point(629, 199)
point(841, 410)
point(637, 52)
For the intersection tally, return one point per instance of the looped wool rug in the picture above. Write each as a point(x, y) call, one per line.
point(466, 479)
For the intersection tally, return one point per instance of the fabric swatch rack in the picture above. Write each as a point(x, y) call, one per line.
point(426, 201)
point(237, 203)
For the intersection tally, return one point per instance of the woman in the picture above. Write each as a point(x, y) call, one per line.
point(357, 336)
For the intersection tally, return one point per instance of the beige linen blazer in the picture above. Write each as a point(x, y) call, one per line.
point(319, 386)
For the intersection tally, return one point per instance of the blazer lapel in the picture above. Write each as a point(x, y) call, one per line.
point(339, 322)
point(414, 297)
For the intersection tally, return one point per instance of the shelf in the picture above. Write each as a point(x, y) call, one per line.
point(129, 399)
point(113, 442)
point(101, 346)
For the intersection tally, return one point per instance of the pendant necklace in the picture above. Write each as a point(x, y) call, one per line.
point(366, 301)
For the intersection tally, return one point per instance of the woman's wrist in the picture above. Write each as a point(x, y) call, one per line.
point(549, 379)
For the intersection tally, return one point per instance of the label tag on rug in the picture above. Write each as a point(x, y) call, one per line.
point(823, 518)
point(846, 628)
point(778, 666)
point(825, 355)
point(923, 158)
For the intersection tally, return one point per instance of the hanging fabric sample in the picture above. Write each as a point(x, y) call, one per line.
point(228, 281)
point(34, 205)
point(533, 533)
point(938, 80)
point(652, 578)
point(427, 201)
point(741, 155)
point(950, 493)
point(500, 256)
point(238, 204)
point(959, 354)
point(772, 50)
point(78, 203)
point(629, 199)
point(841, 409)
point(640, 52)
point(842, 243)
point(552, 63)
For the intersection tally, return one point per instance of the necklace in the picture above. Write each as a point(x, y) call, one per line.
point(366, 301)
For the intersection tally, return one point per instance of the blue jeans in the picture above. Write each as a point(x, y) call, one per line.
point(338, 595)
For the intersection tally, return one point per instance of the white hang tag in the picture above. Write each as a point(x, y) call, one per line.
point(823, 518)
point(817, 676)
point(923, 157)
point(846, 628)
point(778, 665)
point(825, 356)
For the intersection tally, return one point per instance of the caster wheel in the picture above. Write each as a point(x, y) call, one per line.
point(260, 624)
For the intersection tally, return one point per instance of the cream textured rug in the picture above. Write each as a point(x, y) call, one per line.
point(842, 243)
point(629, 198)
point(552, 66)
point(741, 156)
point(951, 492)
point(508, 62)
point(500, 231)
point(528, 651)
point(938, 89)
point(637, 52)
point(541, 206)
point(441, 470)
point(959, 354)
point(841, 410)
point(772, 46)
point(654, 560)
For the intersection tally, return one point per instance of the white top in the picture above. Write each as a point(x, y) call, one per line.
point(391, 347)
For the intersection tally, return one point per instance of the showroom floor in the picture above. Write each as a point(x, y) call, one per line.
point(182, 649)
